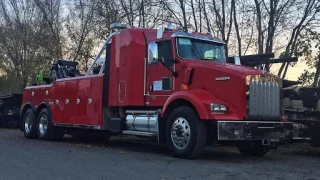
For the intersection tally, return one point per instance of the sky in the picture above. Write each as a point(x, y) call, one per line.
point(296, 71)
point(293, 72)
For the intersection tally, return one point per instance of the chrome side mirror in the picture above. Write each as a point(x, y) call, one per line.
point(237, 60)
point(153, 53)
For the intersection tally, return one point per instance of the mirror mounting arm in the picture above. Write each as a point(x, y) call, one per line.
point(174, 73)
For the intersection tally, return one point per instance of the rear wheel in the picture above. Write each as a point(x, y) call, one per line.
point(29, 124)
point(252, 148)
point(45, 129)
point(185, 133)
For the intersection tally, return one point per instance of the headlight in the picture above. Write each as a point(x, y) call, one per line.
point(218, 108)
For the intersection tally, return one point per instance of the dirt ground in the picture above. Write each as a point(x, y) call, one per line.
point(132, 158)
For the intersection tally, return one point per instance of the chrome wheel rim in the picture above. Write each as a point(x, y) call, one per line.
point(43, 124)
point(28, 123)
point(180, 133)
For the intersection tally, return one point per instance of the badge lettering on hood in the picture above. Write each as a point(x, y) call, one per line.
point(222, 78)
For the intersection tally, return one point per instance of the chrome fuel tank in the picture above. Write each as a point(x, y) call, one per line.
point(146, 121)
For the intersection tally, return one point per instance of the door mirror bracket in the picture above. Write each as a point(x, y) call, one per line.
point(174, 73)
point(153, 58)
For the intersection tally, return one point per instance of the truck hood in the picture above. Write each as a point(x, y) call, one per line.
point(226, 67)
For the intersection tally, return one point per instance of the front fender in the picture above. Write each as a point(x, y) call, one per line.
point(201, 101)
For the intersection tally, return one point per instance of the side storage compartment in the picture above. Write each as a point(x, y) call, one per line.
point(79, 102)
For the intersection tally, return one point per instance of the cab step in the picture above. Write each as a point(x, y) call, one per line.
point(140, 133)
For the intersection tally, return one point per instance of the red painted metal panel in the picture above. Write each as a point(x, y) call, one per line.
point(129, 73)
point(63, 95)
point(60, 95)
point(128, 53)
point(232, 91)
point(134, 70)
point(156, 73)
point(38, 94)
point(127, 65)
point(70, 111)
point(201, 100)
point(114, 71)
point(94, 110)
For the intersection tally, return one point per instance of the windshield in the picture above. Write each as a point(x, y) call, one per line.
point(189, 48)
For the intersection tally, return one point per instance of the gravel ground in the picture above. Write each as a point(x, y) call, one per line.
point(132, 158)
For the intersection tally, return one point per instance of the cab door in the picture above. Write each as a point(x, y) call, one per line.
point(160, 82)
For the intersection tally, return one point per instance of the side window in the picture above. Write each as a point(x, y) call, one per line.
point(165, 52)
point(97, 65)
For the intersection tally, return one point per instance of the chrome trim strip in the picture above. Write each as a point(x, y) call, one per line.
point(83, 126)
point(145, 77)
point(140, 112)
point(140, 133)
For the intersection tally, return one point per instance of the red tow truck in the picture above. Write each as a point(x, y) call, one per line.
point(163, 83)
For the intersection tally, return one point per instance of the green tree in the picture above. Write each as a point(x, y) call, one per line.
point(308, 47)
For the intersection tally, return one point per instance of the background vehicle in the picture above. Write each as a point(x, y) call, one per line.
point(175, 86)
point(10, 110)
point(301, 104)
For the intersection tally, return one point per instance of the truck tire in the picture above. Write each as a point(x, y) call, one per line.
point(186, 134)
point(45, 130)
point(252, 148)
point(29, 124)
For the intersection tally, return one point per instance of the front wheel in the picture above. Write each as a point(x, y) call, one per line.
point(252, 148)
point(186, 134)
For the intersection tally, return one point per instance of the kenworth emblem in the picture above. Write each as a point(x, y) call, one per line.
point(222, 78)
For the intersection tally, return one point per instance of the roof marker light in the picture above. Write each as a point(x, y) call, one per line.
point(118, 26)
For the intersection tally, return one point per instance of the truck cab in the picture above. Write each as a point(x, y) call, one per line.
point(172, 85)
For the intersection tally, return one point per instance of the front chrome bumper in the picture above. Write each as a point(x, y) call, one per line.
point(254, 130)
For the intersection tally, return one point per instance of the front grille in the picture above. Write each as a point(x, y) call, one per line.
point(264, 99)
